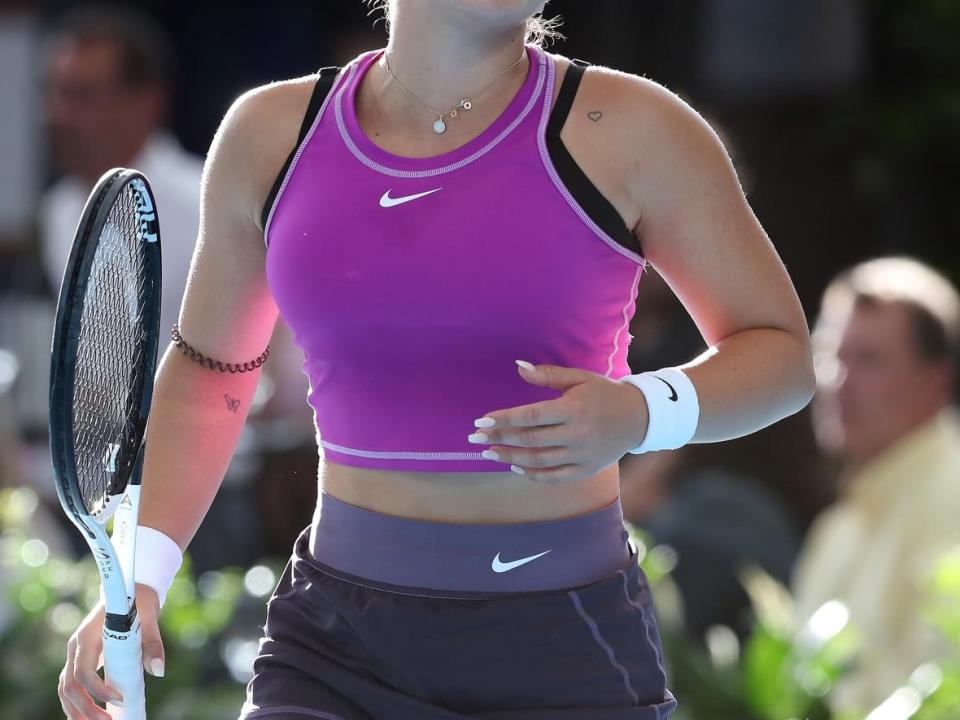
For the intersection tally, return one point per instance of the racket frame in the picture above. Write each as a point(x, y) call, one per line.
point(114, 555)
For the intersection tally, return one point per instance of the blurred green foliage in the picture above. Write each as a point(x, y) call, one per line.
point(941, 684)
point(784, 671)
point(208, 625)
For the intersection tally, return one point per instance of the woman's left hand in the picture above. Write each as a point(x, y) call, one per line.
point(591, 426)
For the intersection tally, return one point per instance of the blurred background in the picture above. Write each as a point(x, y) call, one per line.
point(807, 571)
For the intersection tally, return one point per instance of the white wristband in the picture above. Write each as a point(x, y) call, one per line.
point(157, 560)
point(673, 408)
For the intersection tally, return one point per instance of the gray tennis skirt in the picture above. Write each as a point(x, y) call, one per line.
point(379, 617)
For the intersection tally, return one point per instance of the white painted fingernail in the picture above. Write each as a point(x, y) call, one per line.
point(525, 365)
point(516, 469)
point(478, 438)
point(156, 667)
point(490, 454)
point(484, 422)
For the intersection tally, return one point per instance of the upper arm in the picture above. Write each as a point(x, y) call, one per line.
point(228, 312)
point(697, 228)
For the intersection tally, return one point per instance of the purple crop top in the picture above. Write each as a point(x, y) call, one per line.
point(412, 284)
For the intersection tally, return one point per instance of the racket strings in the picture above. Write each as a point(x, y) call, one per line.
point(109, 353)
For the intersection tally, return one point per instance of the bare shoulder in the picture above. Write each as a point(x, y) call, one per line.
point(618, 101)
point(257, 134)
point(228, 310)
point(647, 115)
point(647, 143)
point(635, 139)
point(695, 224)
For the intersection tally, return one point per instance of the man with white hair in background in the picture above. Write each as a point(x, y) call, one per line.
point(887, 344)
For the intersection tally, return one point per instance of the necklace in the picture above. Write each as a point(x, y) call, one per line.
point(439, 126)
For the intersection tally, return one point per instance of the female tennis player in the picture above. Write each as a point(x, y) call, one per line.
point(455, 236)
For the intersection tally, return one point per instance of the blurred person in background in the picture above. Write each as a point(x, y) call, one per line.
point(886, 346)
point(108, 73)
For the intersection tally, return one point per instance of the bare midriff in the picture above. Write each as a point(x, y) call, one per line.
point(475, 497)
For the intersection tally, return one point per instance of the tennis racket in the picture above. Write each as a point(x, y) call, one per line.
point(102, 364)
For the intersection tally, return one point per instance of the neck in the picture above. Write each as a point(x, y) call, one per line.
point(456, 59)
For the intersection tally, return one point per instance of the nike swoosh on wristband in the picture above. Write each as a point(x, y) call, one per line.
point(387, 201)
point(672, 397)
point(500, 567)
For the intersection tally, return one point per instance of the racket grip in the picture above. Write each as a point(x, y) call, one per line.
point(123, 668)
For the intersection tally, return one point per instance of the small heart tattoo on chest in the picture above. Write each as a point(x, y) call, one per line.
point(594, 115)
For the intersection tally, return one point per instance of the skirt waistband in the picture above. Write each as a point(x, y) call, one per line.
point(510, 557)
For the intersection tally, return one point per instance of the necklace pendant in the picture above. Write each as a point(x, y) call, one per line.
point(439, 127)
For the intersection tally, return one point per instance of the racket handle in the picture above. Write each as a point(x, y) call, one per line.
point(123, 668)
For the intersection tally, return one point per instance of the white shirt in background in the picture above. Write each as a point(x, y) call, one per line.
point(174, 175)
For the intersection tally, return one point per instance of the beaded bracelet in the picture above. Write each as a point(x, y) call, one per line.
point(199, 357)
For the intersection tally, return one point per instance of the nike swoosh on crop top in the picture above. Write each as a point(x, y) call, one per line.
point(412, 284)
